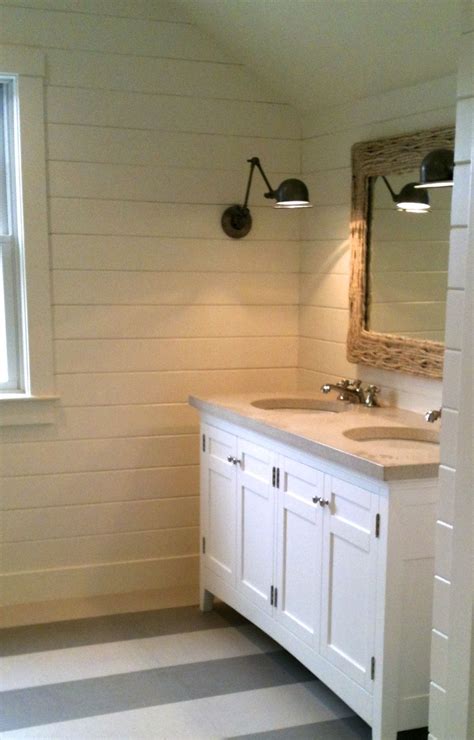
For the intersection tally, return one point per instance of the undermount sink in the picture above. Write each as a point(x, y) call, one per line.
point(412, 435)
point(299, 405)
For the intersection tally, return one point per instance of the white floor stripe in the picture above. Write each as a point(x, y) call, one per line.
point(272, 709)
point(212, 718)
point(105, 659)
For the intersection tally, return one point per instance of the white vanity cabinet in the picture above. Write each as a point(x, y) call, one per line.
point(335, 566)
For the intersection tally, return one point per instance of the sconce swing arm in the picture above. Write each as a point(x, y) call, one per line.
point(236, 220)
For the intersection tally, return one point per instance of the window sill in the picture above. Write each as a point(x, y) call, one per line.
point(19, 410)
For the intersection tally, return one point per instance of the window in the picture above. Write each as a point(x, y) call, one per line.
point(12, 308)
point(26, 344)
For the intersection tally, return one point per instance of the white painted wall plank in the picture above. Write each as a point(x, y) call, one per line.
point(151, 184)
point(400, 287)
point(32, 27)
point(403, 105)
point(123, 8)
point(328, 357)
point(330, 150)
point(95, 355)
point(326, 222)
point(67, 521)
point(114, 217)
point(65, 489)
point(324, 323)
point(204, 151)
point(169, 113)
point(174, 386)
point(98, 70)
point(396, 256)
point(173, 254)
point(109, 578)
point(399, 318)
point(90, 549)
point(40, 458)
point(175, 288)
point(325, 290)
point(92, 422)
point(89, 322)
point(329, 256)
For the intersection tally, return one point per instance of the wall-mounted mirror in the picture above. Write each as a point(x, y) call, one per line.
point(399, 260)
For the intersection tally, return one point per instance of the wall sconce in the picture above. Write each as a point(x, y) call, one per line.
point(409, 199)
point(237, 221)
point(436, 170)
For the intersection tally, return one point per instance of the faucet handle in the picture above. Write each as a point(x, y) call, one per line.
point(370, 395)
point(343, 383)
point(433, 415)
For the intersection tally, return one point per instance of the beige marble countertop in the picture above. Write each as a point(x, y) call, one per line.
point(322, 432)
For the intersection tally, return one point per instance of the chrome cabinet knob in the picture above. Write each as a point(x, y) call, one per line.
point(320, 500)
point(233, 460)
point(316, 499)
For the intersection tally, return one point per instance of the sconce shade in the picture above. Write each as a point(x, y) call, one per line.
point(436, 170)
point(412, 200)
point(409, 199)
point(291, 193)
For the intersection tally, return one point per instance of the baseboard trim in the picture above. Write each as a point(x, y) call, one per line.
point(40, 612)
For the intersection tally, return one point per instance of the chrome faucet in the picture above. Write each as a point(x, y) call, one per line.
point(352, 391)
point(433, 415)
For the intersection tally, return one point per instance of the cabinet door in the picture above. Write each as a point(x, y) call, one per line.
point(218, 502)
point(255, 522)
point(349, 579)
point(299, 540)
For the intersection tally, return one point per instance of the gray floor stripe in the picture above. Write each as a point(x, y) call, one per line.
point(118, 693)
point(113, 628)
point(348, 728)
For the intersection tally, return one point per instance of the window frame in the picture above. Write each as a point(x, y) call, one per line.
point(34, 402)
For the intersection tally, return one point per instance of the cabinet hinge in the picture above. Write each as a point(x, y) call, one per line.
point(271, 595)
point(278, 478)
point(372, 668)
point(203, 545)
point(377, 525)
point(273, 479)
point(275, 597)
point(203, 442)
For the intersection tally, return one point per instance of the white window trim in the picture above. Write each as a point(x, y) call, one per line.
point(36, 404)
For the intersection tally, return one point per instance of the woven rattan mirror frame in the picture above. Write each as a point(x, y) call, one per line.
point(394, 155)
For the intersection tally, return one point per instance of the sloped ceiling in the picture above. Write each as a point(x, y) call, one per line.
point(318, 53)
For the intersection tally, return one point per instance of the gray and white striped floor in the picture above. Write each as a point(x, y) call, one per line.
point(174, 673)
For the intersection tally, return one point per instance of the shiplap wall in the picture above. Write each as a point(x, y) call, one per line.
point(452, 647)
point(325, 249)
point(149, 126)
